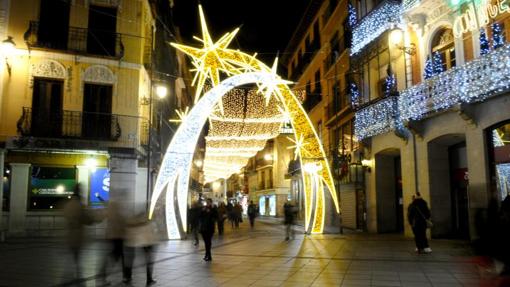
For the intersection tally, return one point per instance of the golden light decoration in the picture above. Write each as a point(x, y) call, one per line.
point(181, 114)
point(214, 58)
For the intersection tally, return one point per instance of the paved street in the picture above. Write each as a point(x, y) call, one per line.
point(260, 258)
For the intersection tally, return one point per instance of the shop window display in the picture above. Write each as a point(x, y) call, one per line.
point(501, 159)
point(50, 187)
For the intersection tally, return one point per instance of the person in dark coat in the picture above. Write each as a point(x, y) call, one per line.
point(208, 217)
point(252, 213)
point(289, 214)
point(418, 213)
point(504, 234)
point(194, 213)
point(222, 215)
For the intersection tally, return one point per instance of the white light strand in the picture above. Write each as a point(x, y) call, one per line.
point(387, 16)
point(378, 118)
point(473, 82)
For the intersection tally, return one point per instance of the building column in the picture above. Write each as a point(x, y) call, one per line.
point(123, 173)
point(20, 173)
point(83, 179)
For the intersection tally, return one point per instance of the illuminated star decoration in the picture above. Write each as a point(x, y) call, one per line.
point(208, 60)
point(181, 114)
point(270, 88)
point(299, 145)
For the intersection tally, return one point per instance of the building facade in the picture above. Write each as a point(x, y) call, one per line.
point(317, 59)
point(77, 93)
point(432, 110)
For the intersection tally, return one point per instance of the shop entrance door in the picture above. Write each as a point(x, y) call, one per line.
point(459, 190)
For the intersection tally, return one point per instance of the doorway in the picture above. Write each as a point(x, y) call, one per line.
point(390, 209)
point(448, 184)
point(47, 111)
point(101, 38)
point(97, 112)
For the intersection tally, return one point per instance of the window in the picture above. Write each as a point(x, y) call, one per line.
point(47, 108)
point(102, 37)
point(97, 108)
point(50, 187)
point(444, 45)
point(53, 31)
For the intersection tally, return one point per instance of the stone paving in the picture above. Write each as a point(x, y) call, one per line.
point(260, 258)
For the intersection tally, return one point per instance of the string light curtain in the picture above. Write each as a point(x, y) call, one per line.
point(239, 132)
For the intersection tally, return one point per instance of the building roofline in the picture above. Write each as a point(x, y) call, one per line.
point(310, 13)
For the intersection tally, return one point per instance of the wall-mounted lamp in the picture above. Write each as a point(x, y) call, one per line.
point(91, 164)
point(199, 163)
point(8, 47)
point(161, 91)
point(396, 39)
point(268, 157)
point(367, 163)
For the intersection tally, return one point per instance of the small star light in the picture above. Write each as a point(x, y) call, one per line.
point(182, 115)
point(286, 115)
point(269, 88)
point(299, 145)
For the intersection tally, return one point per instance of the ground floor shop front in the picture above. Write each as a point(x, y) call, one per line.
point(37, 185)
point(458, 162)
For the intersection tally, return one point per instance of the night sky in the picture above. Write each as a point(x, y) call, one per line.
point(266, 25)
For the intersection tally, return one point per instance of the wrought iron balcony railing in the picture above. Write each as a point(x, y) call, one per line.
point(475, 81)
point(385, 16)
point(77, 40)
point(377, 117)
point(112, 130)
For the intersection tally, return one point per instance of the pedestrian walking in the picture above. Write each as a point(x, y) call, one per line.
point(231, 214)
point(222, 215)
point(140, 234)
point(289, 217)
point(238, 215)
point(504, 231)
point(418, 215)
point(194, 214)
point(115, 234)
point(252, 213)
point(76, 218)
point(208, 217)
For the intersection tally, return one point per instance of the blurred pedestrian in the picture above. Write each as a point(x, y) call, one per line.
point(222, 215)
point(208, 217)
point(140, 234)
point(289, 217)
point(115, 234)
point(231, 214)
point(238, 214)
point(504, 229)
point(194, 214)
point(76, 218)
point(252, 213)
point(418, 215)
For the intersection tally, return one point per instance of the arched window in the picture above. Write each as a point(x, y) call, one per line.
point(443, 43)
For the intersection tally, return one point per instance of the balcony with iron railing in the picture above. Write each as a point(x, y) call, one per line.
point(79, 130)
point(475, 81)
point(76, 40)
point(385, 16)
point(377, 117)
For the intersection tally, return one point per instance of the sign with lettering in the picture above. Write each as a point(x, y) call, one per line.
point(476, 14)
point(99, 186)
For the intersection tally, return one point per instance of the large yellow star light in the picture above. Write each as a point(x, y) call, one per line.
point(208, 60)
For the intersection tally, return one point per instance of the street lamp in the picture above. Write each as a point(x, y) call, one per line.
point(396, 39)
point(161, 92)
point(7, 48)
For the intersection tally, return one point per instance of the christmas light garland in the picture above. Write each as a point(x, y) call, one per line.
point(386, 17)
point(475, 81)
point(242, 69)
point(378, 118)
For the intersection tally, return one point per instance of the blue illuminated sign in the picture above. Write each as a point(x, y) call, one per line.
point(99, 186)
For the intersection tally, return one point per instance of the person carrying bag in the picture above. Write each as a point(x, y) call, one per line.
point(418, 215)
